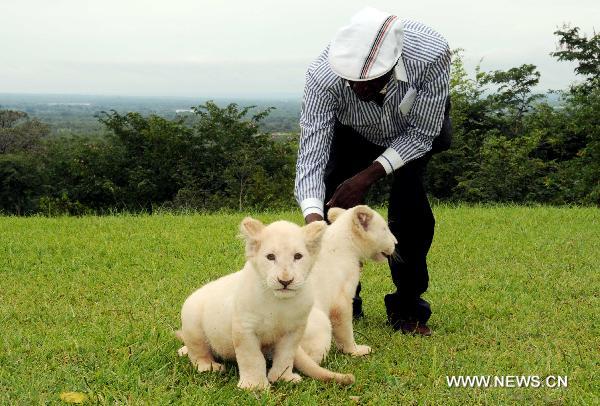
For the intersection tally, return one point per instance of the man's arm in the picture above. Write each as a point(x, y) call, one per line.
point(352, 191)
point(425, 118)
point(317, 120)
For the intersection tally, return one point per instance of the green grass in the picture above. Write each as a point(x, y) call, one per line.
point(89, 305)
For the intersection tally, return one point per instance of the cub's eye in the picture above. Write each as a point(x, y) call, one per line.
point(297, 256)
point(271, 257)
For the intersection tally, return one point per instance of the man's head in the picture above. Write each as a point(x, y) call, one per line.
point(366, 51)
point(367, 90)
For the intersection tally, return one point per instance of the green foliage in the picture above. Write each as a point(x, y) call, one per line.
point(151, 148)
point(577, 178)
point(506, 172)
point(509, 145)
point(8, 118)
point(490, 160)
point(513, 97)
point(86, 172)
point(18, 133)
point(63, 205)
point(471, 124)
point(585, 51)
point(221, 161)
point(234, 165)
point(19, 184)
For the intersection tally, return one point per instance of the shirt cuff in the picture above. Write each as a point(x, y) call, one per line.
point(390, 160)
point(311, 205)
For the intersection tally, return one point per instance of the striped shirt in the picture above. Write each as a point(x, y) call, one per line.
point(409, 119)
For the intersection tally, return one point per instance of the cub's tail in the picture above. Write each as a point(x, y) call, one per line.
point(183, 350)
point(309, 367)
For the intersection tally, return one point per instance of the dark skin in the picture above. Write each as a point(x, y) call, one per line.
point(352, 191)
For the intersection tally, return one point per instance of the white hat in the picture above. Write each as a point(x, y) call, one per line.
point(367, 48)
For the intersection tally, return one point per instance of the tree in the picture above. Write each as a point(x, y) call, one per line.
point(513, 97)
point(20, 184)
point(234, 164)
point(578, 175)
point(585, 51)
point(221, 160)
point(19, 133)
point(82, 174)
point(577, 178)
point(151, 148)
point(471, 123)
point(8, 118)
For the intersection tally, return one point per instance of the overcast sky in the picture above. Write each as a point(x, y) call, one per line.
point(236, 48)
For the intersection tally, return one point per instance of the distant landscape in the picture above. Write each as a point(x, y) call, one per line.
point(78, 114)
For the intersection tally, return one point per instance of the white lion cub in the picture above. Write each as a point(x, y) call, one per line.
point(354, 235)
point(262, 309)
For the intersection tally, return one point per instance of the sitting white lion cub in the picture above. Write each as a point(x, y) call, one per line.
point(262, 309)
point(354, 235)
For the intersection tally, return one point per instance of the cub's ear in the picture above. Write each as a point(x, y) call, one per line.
point(363, 216)
point(251, 229)
point(313, 233)
point(334, 213)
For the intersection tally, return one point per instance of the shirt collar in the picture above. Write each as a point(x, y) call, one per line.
point(400, 70)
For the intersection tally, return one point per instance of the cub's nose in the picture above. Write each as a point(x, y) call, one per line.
point(285, 283)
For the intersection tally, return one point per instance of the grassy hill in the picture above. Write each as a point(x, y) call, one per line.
point(89, 305)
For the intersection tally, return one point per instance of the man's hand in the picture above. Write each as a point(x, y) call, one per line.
point(312, 217)
point(352, 191)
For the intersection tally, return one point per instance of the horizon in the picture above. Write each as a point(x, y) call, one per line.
point(158, 97)
point(12, 99)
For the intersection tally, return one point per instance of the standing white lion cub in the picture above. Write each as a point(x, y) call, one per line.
point(355, 235)
point(262, 309)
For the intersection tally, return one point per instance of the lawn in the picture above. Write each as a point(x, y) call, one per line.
point(89, 305)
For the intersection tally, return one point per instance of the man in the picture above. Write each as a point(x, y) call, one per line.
point(375, 104)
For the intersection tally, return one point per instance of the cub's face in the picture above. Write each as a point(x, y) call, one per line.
point(382, 241)
point(282, 253)
point(370, 230)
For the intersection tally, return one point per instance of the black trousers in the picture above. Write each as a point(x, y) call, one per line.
point(409, 215)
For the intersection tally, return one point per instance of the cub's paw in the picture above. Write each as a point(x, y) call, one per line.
point(344, 379)
point(210, 367)
point(254, 384)
point(361, 350)
point(286, 377)
point(295, 378)
point(182, 351)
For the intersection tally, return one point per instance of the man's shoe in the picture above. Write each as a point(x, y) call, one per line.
point(412, 327)
point(415, 328)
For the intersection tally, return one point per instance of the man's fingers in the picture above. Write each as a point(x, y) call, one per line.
point(336, 201)
point(342, 197)
point(333, 201)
